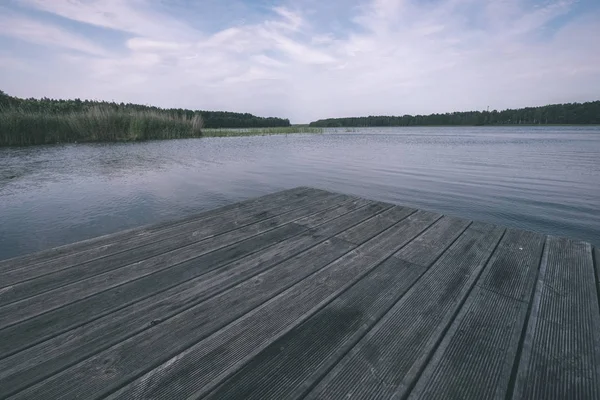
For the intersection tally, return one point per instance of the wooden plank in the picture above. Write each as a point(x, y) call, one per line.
point(561, 350)
point(368, 319)
point(242, 340)
point(476, 357)
point(373, 226)
point(38, 362)
point(387, 359)
point(597, 269)
point(43, 326)
point(123, 252)
point(56, 252)
point(321, 217)
point(126, 360)
point(176, 242)
point(31, 306)
point(290, 366)
point(428, 245)
point(208, 358)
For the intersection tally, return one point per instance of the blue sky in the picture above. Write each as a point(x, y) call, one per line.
point(304, 59)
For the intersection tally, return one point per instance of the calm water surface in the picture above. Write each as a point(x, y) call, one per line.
point(545, 179)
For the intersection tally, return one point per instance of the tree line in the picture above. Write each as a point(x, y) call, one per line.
point(211, 119)
point(569, 113)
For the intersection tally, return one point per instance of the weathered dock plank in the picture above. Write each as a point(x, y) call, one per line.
point(78, 311)
point(429, 246)
point(561, 351)
point(304, 294)
point(37, 362)
point(476, 356)
point(154, 346)
point(290, 366)
point(597, 269)
point(387, 360)
point(197, 369)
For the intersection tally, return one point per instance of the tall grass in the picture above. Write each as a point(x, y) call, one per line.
point(260, 131)
point(96, 124)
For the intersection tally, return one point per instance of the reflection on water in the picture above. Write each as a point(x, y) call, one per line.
point(539, 178)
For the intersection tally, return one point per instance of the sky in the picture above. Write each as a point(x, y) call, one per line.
point(304, 59)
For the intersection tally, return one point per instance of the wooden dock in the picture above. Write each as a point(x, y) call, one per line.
point(304, 294)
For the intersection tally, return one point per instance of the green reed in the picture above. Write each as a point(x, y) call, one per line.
point(97, 124)
point(260, 131)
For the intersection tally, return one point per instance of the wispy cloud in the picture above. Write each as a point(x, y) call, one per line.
point(302, 60)
point(134, 16)
point(30, 30)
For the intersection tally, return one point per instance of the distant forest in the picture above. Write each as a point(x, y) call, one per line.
point(570, 113)
point(211, 119)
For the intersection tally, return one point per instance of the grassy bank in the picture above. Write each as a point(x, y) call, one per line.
point(97, 124)
point(259, 131)
point(22, 127)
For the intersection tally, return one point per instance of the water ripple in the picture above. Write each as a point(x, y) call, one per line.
point(539, 178)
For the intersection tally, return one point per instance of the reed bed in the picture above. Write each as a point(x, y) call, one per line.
point(260, 131)
point(96, 124)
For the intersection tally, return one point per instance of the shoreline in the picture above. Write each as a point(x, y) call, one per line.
point(241, 132)
point(204, 133)
point(452, 126)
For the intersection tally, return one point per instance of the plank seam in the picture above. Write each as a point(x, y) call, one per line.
point(436, 345)
point(227, 373)
point(82, 264)
point(170, 287)
point(596, 275)
point(221, 290)
point(507, 296)
point(517, 359)
point(349, 242)
point(425, 269)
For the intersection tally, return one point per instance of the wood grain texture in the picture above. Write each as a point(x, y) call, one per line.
point(477, 354)
point(132, 357)
point(431, 244)
point(49, 324)
point(304, 294)
point(203, 365)
point(290, 366)
point(597, 270)
point(561, 351)
point(36, 363)
point(388, 359)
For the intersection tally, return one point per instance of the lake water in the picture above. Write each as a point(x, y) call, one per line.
point(545, 179)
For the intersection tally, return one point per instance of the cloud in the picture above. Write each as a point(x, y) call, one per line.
point(134, 16)
point(312, 60)
point(33, 31)
point(291, 20)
